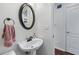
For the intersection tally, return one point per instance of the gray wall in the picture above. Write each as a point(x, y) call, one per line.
point(59, 27)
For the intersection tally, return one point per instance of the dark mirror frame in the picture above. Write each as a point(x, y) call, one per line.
point(20, 16)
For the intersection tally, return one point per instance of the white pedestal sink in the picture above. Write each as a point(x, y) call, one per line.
point(30, 46)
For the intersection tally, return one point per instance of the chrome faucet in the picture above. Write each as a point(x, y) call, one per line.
point(29, 39)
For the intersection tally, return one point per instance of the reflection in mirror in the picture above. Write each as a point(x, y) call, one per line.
point(27, 16)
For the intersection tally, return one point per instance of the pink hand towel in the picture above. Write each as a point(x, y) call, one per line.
point(8, 35)
point(13, 33)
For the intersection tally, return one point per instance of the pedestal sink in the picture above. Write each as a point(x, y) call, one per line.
point(30, 46)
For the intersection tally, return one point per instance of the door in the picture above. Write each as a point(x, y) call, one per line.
point(72, 29)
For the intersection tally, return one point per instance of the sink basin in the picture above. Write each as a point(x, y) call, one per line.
point(35, 44)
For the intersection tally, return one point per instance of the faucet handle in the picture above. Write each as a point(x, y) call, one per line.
point(34, 35)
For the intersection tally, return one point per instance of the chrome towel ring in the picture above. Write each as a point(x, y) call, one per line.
point(8, 19)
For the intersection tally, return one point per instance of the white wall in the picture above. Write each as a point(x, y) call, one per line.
point(59, 27)
point(44, 14)
point(42, 26)
point(11, 10)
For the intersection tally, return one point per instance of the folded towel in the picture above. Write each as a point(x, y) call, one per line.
point(8, 35)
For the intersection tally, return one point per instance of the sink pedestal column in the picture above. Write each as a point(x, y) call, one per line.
point(33, 52)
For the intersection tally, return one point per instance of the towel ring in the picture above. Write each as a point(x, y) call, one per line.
point(8, 19)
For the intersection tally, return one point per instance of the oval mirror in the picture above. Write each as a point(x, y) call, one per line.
point(26, 16)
